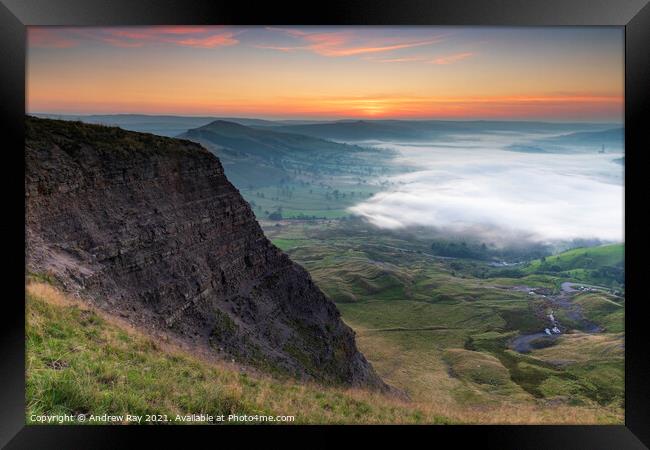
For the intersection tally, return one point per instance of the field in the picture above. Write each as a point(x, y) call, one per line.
point(296, 200)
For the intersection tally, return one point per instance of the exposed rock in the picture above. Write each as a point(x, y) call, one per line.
point(149, 228)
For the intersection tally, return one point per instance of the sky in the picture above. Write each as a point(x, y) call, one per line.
point(360, 72)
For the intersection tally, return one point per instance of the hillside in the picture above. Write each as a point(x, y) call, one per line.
point(149, 228)
point(422, 130)
point(265, 143)
point(359, 131)
point(603, 265)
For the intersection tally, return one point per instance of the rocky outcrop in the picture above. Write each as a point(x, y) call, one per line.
point(150, 228)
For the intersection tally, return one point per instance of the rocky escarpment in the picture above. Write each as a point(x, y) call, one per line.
point(150, 228)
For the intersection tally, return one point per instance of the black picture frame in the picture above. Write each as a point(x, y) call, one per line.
point(634, 15)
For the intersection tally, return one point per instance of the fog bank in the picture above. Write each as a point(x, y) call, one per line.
point(473, 185)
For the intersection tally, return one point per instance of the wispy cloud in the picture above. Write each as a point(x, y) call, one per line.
point(398, 60)
point(185, 36)
point(218, 40)
point(441, 60)
point(344, 43)
point(450, 59)
point(279, 48)
point(375, 49)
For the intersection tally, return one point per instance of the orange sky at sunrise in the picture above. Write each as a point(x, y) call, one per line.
point(329, 72)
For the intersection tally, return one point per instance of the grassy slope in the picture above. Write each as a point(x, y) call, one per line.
point(80, 360)
point(584, 264)
point(597, 359)
point(604, 255)
point(606, 311)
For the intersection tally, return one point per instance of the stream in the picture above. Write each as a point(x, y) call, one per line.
point(525, 343)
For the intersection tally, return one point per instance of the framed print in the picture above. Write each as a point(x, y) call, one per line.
point(383, 218)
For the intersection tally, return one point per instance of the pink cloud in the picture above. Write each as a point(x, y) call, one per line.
point(201, 37)
point(450, 59)
point(343, 43)
point(333, 50)
point(154, 32)
point(290, 31)
point(217, 40)
point(181, 30)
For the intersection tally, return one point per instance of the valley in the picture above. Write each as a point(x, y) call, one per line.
point(447, 330)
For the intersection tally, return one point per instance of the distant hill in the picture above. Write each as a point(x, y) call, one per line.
point(362, 130)
point(264, 156)
point(423, 130)
point(613, 140)
point(266, 143)
point(338, 130)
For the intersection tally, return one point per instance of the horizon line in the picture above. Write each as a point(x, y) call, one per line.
point(312, 119)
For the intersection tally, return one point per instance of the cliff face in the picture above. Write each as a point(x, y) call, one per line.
point(150, 228)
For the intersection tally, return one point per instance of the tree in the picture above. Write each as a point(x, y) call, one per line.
point(276, 215)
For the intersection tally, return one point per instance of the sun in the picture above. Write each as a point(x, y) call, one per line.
point(374, 111)
point(373, 108)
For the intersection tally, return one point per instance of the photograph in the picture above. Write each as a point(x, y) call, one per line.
point(324, 225)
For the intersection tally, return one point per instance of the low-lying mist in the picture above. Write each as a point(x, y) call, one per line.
point(475, 186)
